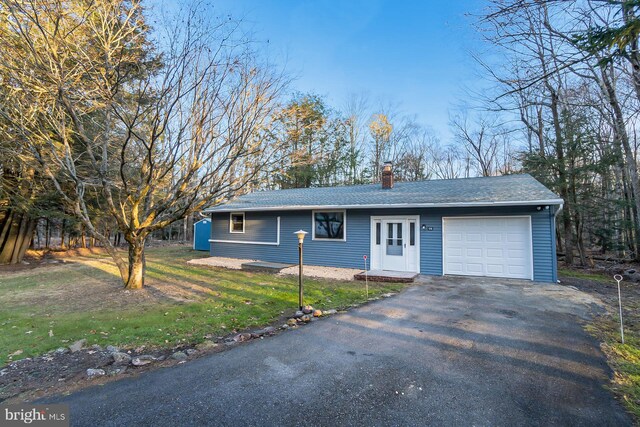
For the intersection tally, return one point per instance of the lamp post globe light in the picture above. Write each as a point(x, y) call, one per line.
point(300, 234)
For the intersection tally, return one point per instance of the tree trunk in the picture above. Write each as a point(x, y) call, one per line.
point(631, 167)
point(137, 264)
point(185, 225)
point(38, 233)
point(15, 237)
point(47, 235)
point(62, 230)
point(83, 237)
point(562, 178)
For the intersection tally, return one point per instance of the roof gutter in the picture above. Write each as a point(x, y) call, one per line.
point(388, 205)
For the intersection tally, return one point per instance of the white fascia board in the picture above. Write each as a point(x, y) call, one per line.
point(391, 205)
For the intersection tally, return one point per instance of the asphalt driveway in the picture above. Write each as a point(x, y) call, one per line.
point(445, 352)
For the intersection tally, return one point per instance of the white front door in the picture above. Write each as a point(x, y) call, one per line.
point(395, 243)
point(394, 252)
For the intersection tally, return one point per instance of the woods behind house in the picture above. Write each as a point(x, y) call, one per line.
point(111, 126)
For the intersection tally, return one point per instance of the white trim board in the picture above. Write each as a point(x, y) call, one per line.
point(390, 205)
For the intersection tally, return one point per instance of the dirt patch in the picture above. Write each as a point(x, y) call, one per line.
point(607, 291)
point(62, 371)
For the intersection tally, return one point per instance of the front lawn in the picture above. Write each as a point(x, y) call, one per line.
point(52, 306)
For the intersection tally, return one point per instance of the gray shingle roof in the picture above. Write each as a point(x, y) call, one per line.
point(500, 190)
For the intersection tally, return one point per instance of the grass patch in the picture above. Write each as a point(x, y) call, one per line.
point(50, 307)
point(581, 274)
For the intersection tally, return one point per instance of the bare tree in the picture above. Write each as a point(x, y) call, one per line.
point(356, 111)
point(151, 131)
point(447, 161)
point(481, 140)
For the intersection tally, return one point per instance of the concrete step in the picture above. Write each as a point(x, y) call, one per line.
point(263, 266)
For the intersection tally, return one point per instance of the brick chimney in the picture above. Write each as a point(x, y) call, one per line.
point(387, 176)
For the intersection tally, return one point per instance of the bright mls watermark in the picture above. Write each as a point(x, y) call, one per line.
point(34, 415)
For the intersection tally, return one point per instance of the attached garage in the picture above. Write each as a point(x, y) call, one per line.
point(488, 246)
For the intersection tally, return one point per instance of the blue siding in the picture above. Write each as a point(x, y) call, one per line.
point(326, 253)
point(258, 227)
point(262, 227)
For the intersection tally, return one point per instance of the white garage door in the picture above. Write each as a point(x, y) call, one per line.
point(488, 246)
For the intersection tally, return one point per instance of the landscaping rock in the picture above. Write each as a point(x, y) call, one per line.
point(307, 309)
point(306, 318)
point(77, 346)
point(266, 331)
point(96, 347)
point(116, 371)
point(61, 350)
point(317, 313)
point(292, 322)
point(112, 349)
point(206, 345)
point(298, 314)
point(93, 373)
point(242, 337)
point(328, 312)
point(285, 326)
point(631, 275)
point(179, 355)
point(120, 358)
point(145, 359)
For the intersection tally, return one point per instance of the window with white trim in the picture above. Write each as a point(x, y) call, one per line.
point(236, 222)
point(329, 225)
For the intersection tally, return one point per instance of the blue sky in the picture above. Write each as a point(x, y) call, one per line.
point(413, 54)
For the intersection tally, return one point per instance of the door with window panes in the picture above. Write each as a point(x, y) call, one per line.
point(395, 245)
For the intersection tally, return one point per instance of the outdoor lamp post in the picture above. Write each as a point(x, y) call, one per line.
point(300, 234)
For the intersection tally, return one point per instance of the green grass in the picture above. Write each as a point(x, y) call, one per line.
point(181, 305)
point(578, 274)
point(626, 363)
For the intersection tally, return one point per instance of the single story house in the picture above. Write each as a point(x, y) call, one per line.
point(491, 226)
